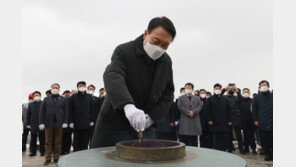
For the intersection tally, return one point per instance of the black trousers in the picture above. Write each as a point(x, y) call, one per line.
point(238, 134)
point(188, 140)
point(25, 138)
point(166, 135)
point(81, 139)
point(67, 140)
point(249, 139)
point(41, 137)
point(267, 142)
point(220, 140)
point(91, 133)
point(230, 138)
point(206, 139)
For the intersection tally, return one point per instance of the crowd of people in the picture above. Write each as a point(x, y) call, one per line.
point(55, 118)
point(217, 119)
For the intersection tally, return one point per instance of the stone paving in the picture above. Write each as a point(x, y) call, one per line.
point(252, 160)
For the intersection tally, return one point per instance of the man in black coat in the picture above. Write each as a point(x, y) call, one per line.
point(247, 121)
point(139, 85)
point(81, 116)
point(67, 132)
point(262, 109)
point(206, 139)
point(53, 116)
point(218, 114)
point(33, 124)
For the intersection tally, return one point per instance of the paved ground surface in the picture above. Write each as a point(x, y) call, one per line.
point(252, 160)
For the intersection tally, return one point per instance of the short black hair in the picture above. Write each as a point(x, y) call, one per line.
point(202, 90)
point(48, 91)
point(246, 89)
point(81, 82)
point(182, 89)
point(163, 22)
point(91, 86)
point(102, 89)
point(36, 92)
point(55, 84)
point(190, 84)
point(209, 93)
point(217, 85)
point(66, 91)
point(263, 82)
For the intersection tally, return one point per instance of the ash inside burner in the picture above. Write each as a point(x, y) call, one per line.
point(150, 144)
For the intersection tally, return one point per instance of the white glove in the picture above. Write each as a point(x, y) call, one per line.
point(176, 123)
point(65, 125)
point(71, 125)
point(135, 116)
point(41, 126)
point(29, 127)
point(149, 121)
point(91, 124)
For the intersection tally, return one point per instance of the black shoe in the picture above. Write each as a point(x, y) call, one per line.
point(41, 154)
point(32, 155)
point(246, 150)
point(63, 153)
point(55, 160)
point(254, 151)
point(46, 162)
point(242, 151)
point(230, 151)
point(268, 158)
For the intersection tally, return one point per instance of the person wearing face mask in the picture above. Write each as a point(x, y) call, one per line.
point(262, 110)
point(247, 121)
point(24, 119)
point(196, 93)
point(139, 85)
point(234, 97)
point(33, 125)
point(177, 112)
point(81, 116)
point(67, 132)
point(206, 137)
point(190, 107)
point(218, 115)
point(208, 94)
point(53, 117)
point(97, 103)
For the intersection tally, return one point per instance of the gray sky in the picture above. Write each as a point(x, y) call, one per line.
point(217, 40)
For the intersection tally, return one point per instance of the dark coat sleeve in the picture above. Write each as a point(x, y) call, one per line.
point(29, 114)
point(255, 109)
point(92, 110)
point(229, 116)
point(114, 81)
point(162, 108)
point(66, 110)
point(71, 119)
point(42, 112)
point(208, 110)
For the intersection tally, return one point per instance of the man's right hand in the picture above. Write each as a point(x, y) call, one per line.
point(210, 123)
point(256, 123)
point(71, 125)
point(135, 116)
point(41, 126)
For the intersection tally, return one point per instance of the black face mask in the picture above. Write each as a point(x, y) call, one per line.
point(231, 92)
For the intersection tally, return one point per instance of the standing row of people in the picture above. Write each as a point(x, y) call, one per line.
point(57, 117)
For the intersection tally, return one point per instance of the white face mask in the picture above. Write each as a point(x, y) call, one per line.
point(245, 95)
point(264, 89)
point(188, 91)
point(55, 91)
point(203, 95)
point(153, 51)
point(183, 93)
point(81, 89)
point(217, 91)
point(91, 92)
point(37, 98)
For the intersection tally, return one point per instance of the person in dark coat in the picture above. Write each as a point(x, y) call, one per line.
point(247, 121)
point(53, 117)
point(81, 116)
point(190, 107)
point(139, 85)
point(67, 132)
point(33, 125)
point(24, 120)
point(97, 103)
point(234, 97)
point(262, 109)
point(206, 139)
point(218, 114)
point(167, 129)
point(177, 112)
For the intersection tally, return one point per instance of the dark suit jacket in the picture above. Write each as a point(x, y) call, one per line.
point(48, 109)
